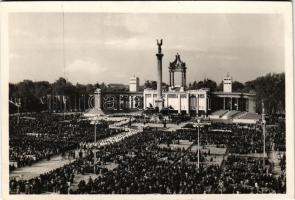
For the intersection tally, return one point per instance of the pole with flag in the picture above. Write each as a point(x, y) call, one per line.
point(64, 98)
point(84, 101)
point(75, 103)
point(79, 101)
point(263, 130)
point(198, 144)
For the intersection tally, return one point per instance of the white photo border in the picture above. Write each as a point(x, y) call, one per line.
point(214, 7)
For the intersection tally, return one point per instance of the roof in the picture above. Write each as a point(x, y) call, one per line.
point(177, 64)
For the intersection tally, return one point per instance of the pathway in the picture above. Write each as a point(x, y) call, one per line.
point(57, 161)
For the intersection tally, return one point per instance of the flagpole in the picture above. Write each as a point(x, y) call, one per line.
point(65, 108)
point(79, 104)
point(263, 129)
point(18, 114)
point(84, 101)
point(75, 102)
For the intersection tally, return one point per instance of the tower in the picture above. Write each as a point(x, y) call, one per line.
point(227, 84)
point(134, 84)
point(159, 101)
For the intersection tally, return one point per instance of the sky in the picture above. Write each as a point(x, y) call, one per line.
point(112, 47)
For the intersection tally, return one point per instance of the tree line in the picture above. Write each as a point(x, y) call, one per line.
point(32, 96)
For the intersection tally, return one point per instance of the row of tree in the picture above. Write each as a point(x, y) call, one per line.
point(269, 88)
point(206, 83)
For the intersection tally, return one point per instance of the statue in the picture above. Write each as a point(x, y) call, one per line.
point(159, 45)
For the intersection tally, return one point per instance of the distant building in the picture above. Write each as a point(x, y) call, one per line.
point(227, 84)
point(134, 84)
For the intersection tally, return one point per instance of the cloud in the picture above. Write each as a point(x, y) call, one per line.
point(120, 75)
point(137, 43)
point(85, 66)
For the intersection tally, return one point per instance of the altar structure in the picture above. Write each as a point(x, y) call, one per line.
point(178, 97)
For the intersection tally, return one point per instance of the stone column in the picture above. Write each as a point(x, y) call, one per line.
point(170, 81)
point(188, 104)
point(159, 80)
point(134, 101)
point(130, 102)
point(179, 103)
point(159, 101)
point(182, 79)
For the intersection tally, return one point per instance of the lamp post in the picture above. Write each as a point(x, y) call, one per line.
point(94, 121)
point(95, 132)
point(18, 115)
point(198, 125)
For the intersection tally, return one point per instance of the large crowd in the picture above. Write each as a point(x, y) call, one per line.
point(146, 163)
point(247, 175)
point(238, 139)
point(41, 136)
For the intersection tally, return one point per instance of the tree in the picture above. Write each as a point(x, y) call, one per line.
point(237, 86)
point(150, 84)
point(271, 90)
point(220, 86)
point(206, 83)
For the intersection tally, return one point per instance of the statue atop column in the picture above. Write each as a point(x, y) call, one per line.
point(160, 46)
point(159, 101)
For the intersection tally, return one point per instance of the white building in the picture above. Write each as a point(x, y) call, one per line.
point(134, 84)
point(186, 101)
point(227, 84)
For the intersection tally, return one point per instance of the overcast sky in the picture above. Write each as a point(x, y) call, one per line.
point(112, 47)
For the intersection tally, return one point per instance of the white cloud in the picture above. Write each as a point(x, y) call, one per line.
point(131, 43)
point(85, 66)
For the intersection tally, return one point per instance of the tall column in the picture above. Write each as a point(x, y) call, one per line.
point(159, 101)
point(134, 101)
point(179, 103)
point(159, 80)
point(184, 79)
point(188, 104)
point(130, 102)
point(172, 79)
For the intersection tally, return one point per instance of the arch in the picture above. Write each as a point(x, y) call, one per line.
point(177, 66)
